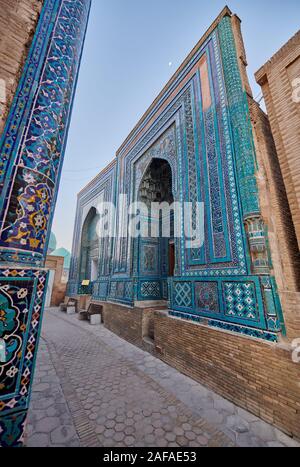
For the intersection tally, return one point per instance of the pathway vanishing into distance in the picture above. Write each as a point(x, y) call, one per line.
point(94, 389)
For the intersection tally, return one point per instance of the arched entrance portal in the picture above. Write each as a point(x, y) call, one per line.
point(156, 253)
point(89, 258)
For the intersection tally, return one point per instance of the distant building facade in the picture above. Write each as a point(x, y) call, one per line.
point(211, 310)
point(58, 262)
point(56, 287)
point(66, 255)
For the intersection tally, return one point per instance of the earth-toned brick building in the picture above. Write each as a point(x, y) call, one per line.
point(280, 82)
point(18, 21)
point(224, 311)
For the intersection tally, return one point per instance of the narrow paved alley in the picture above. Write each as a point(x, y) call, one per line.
point(94, 389)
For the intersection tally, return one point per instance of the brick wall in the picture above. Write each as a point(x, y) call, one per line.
point(124, 321)
point(291, 306)
point(18, 19)
point(278, 220)
point(274, 203)
point(257, 376)
point(276, 78)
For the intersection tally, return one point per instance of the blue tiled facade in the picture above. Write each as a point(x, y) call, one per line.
point(210, 151)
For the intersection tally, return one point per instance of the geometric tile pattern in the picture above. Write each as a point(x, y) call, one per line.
point(113, 290)
point(183, 294)
point(240, 300)
point(121, 291)
point(101, 289)
point(128, 291)
point(150, 289)
point(248, 331)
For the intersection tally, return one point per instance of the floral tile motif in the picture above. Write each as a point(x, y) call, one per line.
point(31, 155)
point(22, 294)
point(33, 164)
point(12, 430)
point(207, 296)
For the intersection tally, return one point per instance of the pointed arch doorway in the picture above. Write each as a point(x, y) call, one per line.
point(89, 252)
point(156, 257)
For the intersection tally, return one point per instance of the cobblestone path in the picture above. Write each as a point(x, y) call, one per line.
point(94, 389)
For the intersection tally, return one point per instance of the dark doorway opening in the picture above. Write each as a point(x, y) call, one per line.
point(156, 252)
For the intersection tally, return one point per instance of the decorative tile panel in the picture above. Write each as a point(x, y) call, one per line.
point(239, 111)
point(128, 291)
point(150, 290)
point(12, 430)
point(207, 297)
point(240, 300)
point(22, 294)
point(100, 290)
point(31, 156)
point(183, 294)
point(40, 113)
point(204, 134)
point(149, 259)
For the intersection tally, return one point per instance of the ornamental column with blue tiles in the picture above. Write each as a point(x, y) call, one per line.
point(31, 157)
point(259, 260)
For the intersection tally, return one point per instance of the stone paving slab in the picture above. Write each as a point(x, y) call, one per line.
point(50, 423)
point(114, 394)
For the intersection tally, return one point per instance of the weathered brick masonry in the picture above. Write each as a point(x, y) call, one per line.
point(281, 231)
point(124, 321)
point(278, 81)
point(18, 20)
point(258, 376)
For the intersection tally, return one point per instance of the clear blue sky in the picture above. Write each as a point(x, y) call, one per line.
point(128, 49)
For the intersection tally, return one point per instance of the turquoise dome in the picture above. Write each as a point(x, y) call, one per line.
point(52, 243)
point(65, 254)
